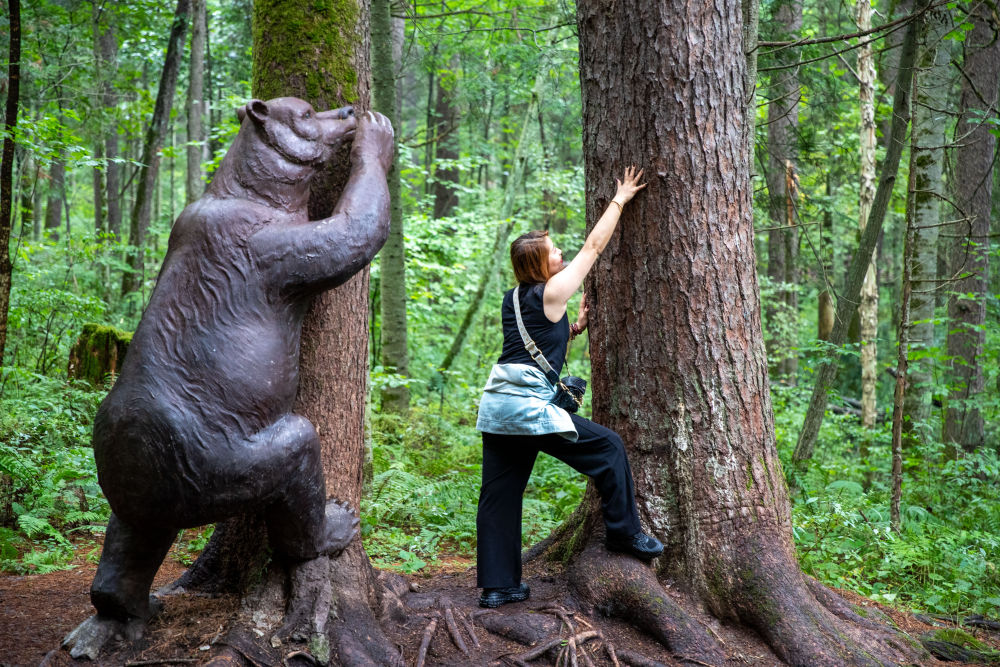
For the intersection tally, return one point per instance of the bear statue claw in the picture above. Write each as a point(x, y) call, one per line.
point(87, 639)
point(341, 526)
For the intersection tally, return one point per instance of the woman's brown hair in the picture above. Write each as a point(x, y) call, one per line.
point(530, 257)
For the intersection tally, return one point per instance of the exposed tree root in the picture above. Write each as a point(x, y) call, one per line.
point(357, 635)
point(425, 642)
point(636, 660)
point(793, 618)
point(624, 587)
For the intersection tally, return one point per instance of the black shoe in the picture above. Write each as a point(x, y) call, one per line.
point(495, 597)
point(640, 545)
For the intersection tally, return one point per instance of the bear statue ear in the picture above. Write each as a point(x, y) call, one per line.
point(257, 110)
point(241, 113)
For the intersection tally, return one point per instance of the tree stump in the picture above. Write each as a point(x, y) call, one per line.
point(98, 352)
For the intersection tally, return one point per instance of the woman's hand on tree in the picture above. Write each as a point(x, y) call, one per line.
point(629, 186)
point(582, 314)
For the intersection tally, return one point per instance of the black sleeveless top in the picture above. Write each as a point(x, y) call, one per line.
point(550, 337)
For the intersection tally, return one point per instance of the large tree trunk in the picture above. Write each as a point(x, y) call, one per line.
point(974, 157)
point(679, 367)
point(868, 308)
point(782, 157)
point(150, 161)
point(322, 56)
point(392, 273)
point(7, 164)
point(930, 91)
point(848, 298)
point(193, 185)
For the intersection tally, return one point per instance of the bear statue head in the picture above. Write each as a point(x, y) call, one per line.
point(296, 131)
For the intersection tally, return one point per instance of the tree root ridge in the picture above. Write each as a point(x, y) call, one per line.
point(809, 625)
point(624, 587)
point(233, 558)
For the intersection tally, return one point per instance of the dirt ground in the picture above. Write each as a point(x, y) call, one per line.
point(37, 611)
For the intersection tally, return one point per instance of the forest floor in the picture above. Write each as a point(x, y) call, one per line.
point(36, 611)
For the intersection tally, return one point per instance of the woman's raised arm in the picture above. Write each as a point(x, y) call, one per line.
point(564, 284)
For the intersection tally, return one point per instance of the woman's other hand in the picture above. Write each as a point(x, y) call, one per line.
point(582, 314)
point(629, 186)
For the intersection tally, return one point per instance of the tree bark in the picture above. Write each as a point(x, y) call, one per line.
point(927, 139)
point(782, 157)
point(392, 270)
point(868, 308)
point(848, 299)
point(974, 157)
point(54, 199)
point(193, 185)
point(678, 362)
point(7, 164)
point(150, 162)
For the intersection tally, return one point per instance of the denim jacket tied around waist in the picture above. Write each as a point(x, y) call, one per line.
point(517, 400)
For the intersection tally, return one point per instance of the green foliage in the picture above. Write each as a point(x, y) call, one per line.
point(944, 558)
point(48, 482)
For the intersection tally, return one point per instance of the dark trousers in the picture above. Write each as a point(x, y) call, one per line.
point(507, 463)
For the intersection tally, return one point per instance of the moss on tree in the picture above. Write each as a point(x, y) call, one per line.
point(99, 351)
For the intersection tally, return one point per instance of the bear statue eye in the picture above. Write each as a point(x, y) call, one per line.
point(307, 114)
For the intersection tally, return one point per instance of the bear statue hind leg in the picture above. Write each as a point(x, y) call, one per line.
point(120, 592)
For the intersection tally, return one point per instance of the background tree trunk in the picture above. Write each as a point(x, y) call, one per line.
point(678, 361)
point(445, 177)
point(392, 267)
point(974, 160)
point(930, 94)
point(868, 308)
point(782, 152)
point(195, 149)
point(7, 164)
point(54, 199)
point(150, 161)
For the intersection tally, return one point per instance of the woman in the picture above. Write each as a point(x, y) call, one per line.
point(518, 419)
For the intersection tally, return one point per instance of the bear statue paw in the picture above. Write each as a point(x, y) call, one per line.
point(90, 636)
point(341, 526)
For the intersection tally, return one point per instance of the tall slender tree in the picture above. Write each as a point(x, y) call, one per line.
point(782, 151)
point(7, 164)
point(156, 133)
point(931, 85)
point(868, 308)
point(969, 258)
point(195, 150)
point(392, 270)
point(848, 299)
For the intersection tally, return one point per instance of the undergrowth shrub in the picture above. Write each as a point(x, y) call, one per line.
point(48, 480)
point(943, 560)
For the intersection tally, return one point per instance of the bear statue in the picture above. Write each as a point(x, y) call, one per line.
point(199, 426)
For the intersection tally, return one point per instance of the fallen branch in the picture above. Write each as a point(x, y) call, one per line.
point(470, 628)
